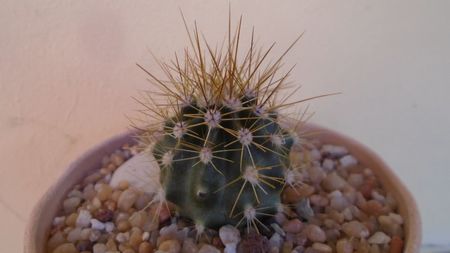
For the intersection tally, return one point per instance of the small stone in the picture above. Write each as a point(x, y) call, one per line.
point(206, 248)
point(142, 201)
point(333, 182)
point(123, 226)
point(59, 221)
point(315, 154)
point(355, 229)
point(138, 219)
point(104, 192)
point(85, 232)
point(348, 161)
point(109, 227)
point(328, 164)
point(315, 233)
point(287, 247)
point(94, 236)
point(295, 194)
point(322, 248)
point(135, 238)
point(71, 204)
point(316, 174)
point(230, 237)
point(66, 248)
point(96, 224)
point(56, 240)
point(396, 245)
point(145, 236)
point(355, 180)
point(127, 199)
point(276, 241)
point(94, 177)
point(170, 246)
point(99, 248)
point(373, 208)
point(123, 185)
point(117, 159)
point(89, 192)
point(145, 247)
point(379, 238)
point(253, 242)
point(333, 151)
point(74, 235)
point(344, 246)
point(339, 202)
point(84, 219)
point(122, 237)
point(396, 218)
point(304, 210)
point(104, 214)
point(293, 226)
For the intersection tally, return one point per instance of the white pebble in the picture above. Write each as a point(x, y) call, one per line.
point(59, 220)
point(315, 154)
point(379, 238)
point(109, 227)
point(335, 151)
point(396, 218)
point(84, 219)
point(348, 161)
point(145, 236)
point(74, 235)
point(94, 236)
point(96, 224)
point(230, 237)
point(355, 229)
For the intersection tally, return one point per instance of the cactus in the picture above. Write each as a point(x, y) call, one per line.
point(222, 152)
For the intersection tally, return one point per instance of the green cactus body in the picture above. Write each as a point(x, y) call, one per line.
point(217, 161)
point(222, 153)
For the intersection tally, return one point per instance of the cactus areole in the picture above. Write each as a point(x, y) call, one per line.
point(222, 152)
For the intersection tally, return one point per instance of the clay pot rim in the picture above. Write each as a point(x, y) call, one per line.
point(35, 239)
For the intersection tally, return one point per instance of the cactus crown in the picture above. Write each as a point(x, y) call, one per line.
point(222, 152)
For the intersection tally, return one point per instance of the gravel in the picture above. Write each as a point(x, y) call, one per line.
point(338, 206)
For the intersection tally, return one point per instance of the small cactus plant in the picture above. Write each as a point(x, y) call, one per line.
point(222, 151)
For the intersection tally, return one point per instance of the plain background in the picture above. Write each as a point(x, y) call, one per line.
point(67, 75)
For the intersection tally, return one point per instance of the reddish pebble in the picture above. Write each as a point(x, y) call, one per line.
point(373, 207)
point(293, 226)
point(396, 245)
point(293, 195)
point(367, 187)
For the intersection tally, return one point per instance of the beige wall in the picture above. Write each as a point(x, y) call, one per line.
point(67, 72)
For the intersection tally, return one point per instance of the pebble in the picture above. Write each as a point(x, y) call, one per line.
point(145, 247)
point(294, 194)
point(379, 238)
point(348, 161)
point(333, 182)
point(84, 245)
point(304, 210)
point(74, 235)
point(230, 237)
point(122, 237)
point(127, 199)
point(321, 248)
point(170, 246)
point(71, 204)
point(278, 229)
point(104, 214)
point(189, 246)
point(66, 248)
point(71, 219)
point(55, 240)
point(293, 226)
point(58, 221)
point(206, 248)
point(96, 224)
point(355, 229)
point(333, 151)
point(396, 245)
point(355, 180)
point(99, 248)
point(314, 233)
point(84, 219)
point(328, 164)
point(104, 192)
point(344, 246)
point(109, 227)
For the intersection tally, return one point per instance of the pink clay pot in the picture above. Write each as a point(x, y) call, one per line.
point(39, 224)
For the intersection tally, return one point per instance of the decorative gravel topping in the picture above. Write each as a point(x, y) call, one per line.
point(332, 204)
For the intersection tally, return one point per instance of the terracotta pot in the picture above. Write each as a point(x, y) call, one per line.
point(42, 215)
